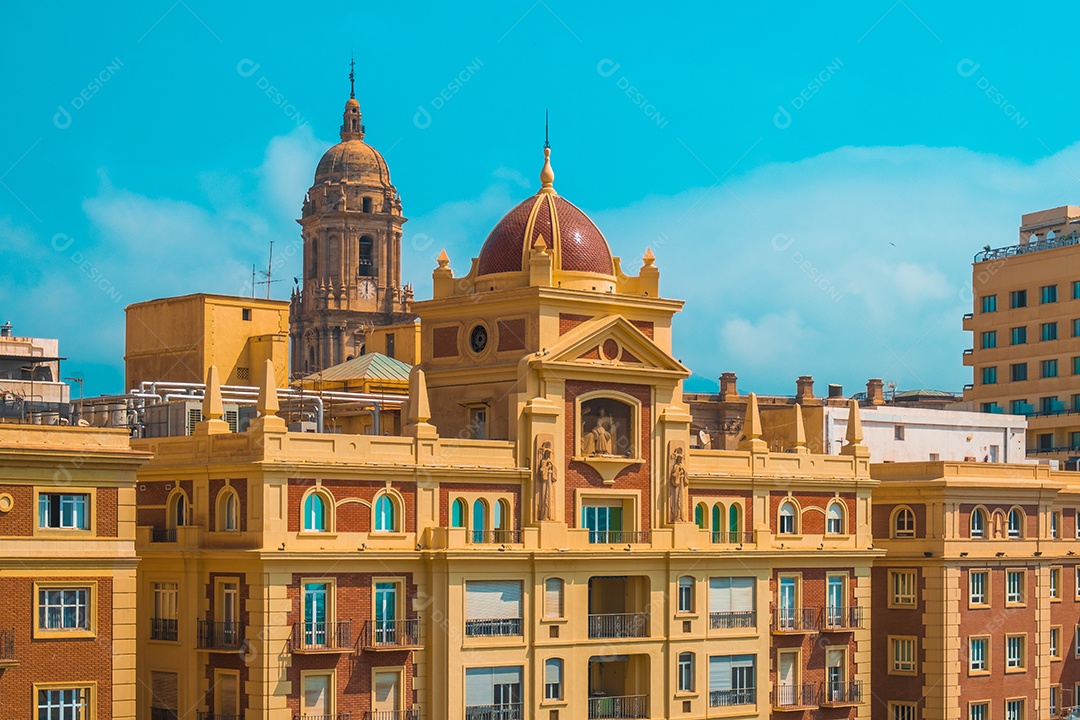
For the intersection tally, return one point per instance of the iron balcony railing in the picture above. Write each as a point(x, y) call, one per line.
point(619, 625)
point(7, 646)
point(728, 620)
point(322, 636)
point(739, 696)
point(841, 692)
point(841, 618)
point(1028, 247)
point(493, 628)
point(494, 537)
point(220, 635)
point(335, 716)
point(216, 716)
point(163, 535)
point(392, 715)
point(619, 537)
point(395, 634)
point(163, 714)
point(164, 629)
point(504, 711)
point(792, 696)
point(619, 706)
point(732, 537)
point(796, 620)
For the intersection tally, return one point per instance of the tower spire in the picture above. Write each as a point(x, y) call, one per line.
point(352, 76)
point(546, 143)
point(547, 175)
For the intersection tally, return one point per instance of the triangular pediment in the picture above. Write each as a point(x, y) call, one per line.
point(612, 342)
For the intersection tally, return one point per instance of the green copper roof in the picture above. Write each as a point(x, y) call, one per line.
point(370, 366)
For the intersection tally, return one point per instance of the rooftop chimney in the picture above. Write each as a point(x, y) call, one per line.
point(804, 388)
point(875, 391)
point(5, 329)
point(728, 391)
point(836, 391)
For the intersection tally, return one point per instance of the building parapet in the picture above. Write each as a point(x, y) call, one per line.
point(1027, 247)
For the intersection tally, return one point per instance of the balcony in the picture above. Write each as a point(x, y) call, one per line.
point(215, 716)
point(841, 619)
point(727, 698)
point(164, 629)
point(728, 537)
point(335, 716)
point(400, 634)
point(7, 649)
point(220, 636)
point(162, 535)
point(1028, 247)
point(837, 694)
point(730, 620)
point(619, 537)
point(506, 711)
point(392, 715)
point(619, 707)
point(163, 714)
point(500, 627)
point(795, 697)
point(493, 537)
point(796, 620)
point(619, 625)
point(315, 637)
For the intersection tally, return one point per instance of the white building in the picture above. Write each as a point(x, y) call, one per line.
point(30, 383)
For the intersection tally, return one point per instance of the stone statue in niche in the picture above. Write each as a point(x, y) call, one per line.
point(546, 477)
point(605, 428)
point(678, 488)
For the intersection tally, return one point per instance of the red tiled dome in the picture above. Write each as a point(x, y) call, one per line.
point(575, 241)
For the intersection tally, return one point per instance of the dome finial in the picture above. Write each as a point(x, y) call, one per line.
point(352, 76)
point(547, 175)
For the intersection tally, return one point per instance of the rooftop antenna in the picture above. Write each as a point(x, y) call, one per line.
point(546, 143)
point(352, 76)
point(268, 274)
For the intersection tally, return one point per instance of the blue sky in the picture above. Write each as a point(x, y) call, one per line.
point(814, 182)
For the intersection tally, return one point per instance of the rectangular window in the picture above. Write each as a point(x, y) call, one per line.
point(1014, 710)
point(978, 654)
point(1048, 331)
point(604, 523)
point(902, 711)
point(1019, 335)
point(1049, 369)
point(977, 580)
point(1018, 299)
point(226, 693)
point(1055, 583)
point(898, 432)
point(1018, 372)
point(1076, 327)
point(978, 711)
point(1076, 290)
point(989, 303)
point(686, 594)
point(989, 339)
point(1014, 587)
point(1055, 525)
point(1014, 652)
point(245, 314)
point(317, 697)
point(164, 622)
point(1055, 643)
point(903, 587)
point(553, 598)
point(493, 686)
point(686, 672)
point(1076, 371)
point(63, 704)
point(64, 609)
point(1055, 700)
point(902, 652)
point(58, 511)
point(1049, 404)
point(553, 680)
point(989, 376)
point(493, 607)
point(478, 422)
point(1048, 294)
point(1019, 407)
point(1076, 643)
point(732, 680)
point(1045, 441)
point(731, 602)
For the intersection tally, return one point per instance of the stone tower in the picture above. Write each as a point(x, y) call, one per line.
point(352, 253)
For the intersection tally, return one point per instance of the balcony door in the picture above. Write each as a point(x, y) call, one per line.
point(385, 612)
point(230, 613)
point(787, 602)
point(604, 522)
point(387, 692)
point(317, 695)
point(315, 615)
point(834, 674)
point(834, 602)
point(786, 680)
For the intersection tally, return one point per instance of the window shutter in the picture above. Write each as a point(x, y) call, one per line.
point(742, 594)
point(553, 598)
point(164, 686)
point(720, 672)
point(553, 671)
point(509, 675)
point(719, 595)
point(479, 688)
point(492, 599)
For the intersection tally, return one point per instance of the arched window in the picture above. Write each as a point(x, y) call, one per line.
point(385, 513)
point(457, 513)
point(177, 513)
point(904, 523)
point(553, 684)
point(366, 265)
point(228, 511)
point(686, 594)
point(834, 519)
point(479, 515)
point(978, 523)
point(717, 517)
point(686, 672)
point(1016, 523)
point(735, 523)
point(699, 516)
point(502, 515)
point(314, 258)
point(553, 598)
point(788, 518)
point(315, 513)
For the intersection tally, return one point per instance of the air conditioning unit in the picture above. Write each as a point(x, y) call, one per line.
point(306, 426)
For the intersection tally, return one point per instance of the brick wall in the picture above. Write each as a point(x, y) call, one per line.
point(882, 515)
point(812, 522)
point(447, 492)
point(888, 621)
point(351, 516)
point(20, 521)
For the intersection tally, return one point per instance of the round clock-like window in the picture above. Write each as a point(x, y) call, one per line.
point(478, 339)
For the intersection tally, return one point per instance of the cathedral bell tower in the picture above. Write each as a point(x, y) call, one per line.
point(351, 229)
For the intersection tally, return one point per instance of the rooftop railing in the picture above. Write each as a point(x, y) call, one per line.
point(1026, 248)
